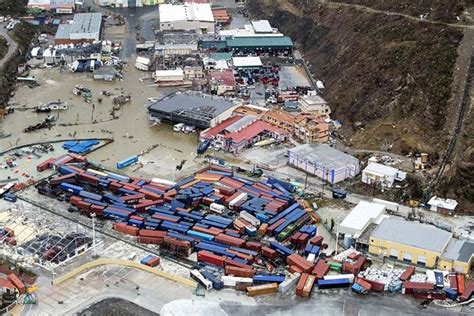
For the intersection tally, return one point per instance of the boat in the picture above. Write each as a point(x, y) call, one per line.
point(203, 146)
point(51, 106)
point(264, 142)
point(178, 127)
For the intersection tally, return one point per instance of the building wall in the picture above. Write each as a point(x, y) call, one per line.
point(223, 116)
point(387, 249)
point(60, 41)
point(453, 265)
point(187, 25)
point(370, 178)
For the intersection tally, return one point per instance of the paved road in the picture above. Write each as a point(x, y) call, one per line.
point(12, 44)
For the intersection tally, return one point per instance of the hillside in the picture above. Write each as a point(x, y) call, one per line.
point(389, 78)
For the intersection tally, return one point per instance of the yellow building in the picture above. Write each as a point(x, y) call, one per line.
point(410, 242)
point(458, 257)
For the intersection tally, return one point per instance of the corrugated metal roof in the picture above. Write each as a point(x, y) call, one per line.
point(459, 250)
point(260, 42)
point(360, 216)
point(63, 32)
point(421, 236)
point(86, 23)
point(322, 154)
point(253, 130)
point(244, 121)
point(381, 169)
point(262, 26)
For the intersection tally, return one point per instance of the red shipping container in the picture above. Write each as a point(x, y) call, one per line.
point(366, 285)
point(467, 293)
point(83, 205)
point(209, 257)
point(84, 177)
point(269, 253)
point(302, 239)
point(69, 178)
point(150, 195)
point(301, 283)
point(406, 275)
point(294, 237)
point(240, 255)
point(114, 186)
point(231, 183)
point(132, 198)
point(316, 241)
point(152, 233)
point(145, 204)
point(44, 165)
point(216, 230)
point(74, 200)
point(295, 269)
point(153, 262)
point(126, 229)
point(229, 240)
point(274, 226)
point(297, 260)
point(453, 281)
point(97, 209)
point(13, 278)
point(9, 232)
point(77, 158)
point(376, 286)
point(149, 240)
point(411, 287)
point(239, 272)
point(262, 230)
point(461, 284)
point(205, 230)
point(10, 241)
point(321, 269)
point(253, 245)
point(165, 218)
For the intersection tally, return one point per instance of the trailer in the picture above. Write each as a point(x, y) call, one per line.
point(198, 277)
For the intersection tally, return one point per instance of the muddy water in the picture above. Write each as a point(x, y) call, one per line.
point(131, 132)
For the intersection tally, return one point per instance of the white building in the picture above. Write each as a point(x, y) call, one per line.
point(187, 16)
point(170, 75)
point(247, 62)
point(445, 206)
point(323, 161)
point(376, 173)
point(314, 104)
point(121, 3)
point(175, 49)
point(361, 216)
point(85, 28)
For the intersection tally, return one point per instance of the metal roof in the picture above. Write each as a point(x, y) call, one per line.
point(248, 61)
point(324, 155)
point(197, 105)
point(381, 169)
point(262, 26)
point(186, 12)
point(444, 203)
point(86, 23)
point(459, 250)
point(361, 216)
point(63, 32)
point(421, 236)
point(244, 121)
point(260, 42)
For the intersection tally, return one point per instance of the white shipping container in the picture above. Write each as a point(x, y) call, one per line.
point(232, 281)
point(351, 277)
point(241, 197)
point(311, 258)
point(217, 208)
point(289, 283)
point(198, 277)
point(250, 218)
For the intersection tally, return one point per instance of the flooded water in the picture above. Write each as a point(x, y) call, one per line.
point(131, 131)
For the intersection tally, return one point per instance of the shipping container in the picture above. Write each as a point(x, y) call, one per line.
point(231, 281)
point(406, 275)
point(262, 289)
point(297, 260)
point(263, 278)
point(217, 284)
point(336, 283)
point(239, 272)
point(410, 287)
point(13, 278)
point(198, 277)
point(301, 283)
point(209, 257)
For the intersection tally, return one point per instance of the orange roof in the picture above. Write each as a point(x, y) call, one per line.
point(280, 116)
point(253, 130)
point(314, 118)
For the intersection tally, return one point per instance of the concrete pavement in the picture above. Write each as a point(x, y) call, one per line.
point(12, 45)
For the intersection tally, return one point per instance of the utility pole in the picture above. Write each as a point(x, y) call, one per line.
point(94, 255)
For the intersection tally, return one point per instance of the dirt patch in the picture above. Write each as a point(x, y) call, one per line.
point(116, 306)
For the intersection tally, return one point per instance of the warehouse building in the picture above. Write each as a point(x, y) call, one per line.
point(187, 16)
point(376, 173)
point(361, 216)
point(194, 109)
point(247, 63)
point(411, 242)
point(175, 49)
point(246, 45)
point(458, 257)
point(85, 28)
point(323, 161)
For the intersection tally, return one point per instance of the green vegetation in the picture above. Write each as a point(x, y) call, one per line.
point(3, 47)
point(13, 7)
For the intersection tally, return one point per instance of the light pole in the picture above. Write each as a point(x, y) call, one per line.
point(94, 255)
point(174, 167)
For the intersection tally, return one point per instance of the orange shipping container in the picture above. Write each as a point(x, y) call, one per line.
point(262, 289)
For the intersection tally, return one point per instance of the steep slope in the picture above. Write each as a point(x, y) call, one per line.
point(390, 78)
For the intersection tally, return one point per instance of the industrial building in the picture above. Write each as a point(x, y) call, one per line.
point(85, 28)
point(169, 76)
point(361, 216)
point(269, 44)
point(445, 206)
point(411, 242)
point(246, 63)
point(222, 82)
point(458, 256)
point(175, 49)
point(323, 161)
point(58, 6)
point(194, 109)
point(315, 105)
point(187, 16)
point(376, 173)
